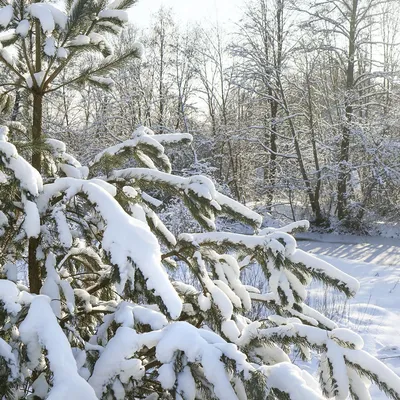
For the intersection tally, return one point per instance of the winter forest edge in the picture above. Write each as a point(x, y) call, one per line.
point(128, 276)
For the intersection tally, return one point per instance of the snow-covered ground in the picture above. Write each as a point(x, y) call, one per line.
point(374, 312)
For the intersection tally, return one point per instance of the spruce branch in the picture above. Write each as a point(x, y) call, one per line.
point(106, 67)
point(124, 4)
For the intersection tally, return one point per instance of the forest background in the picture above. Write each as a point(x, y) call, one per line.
point(293, 108)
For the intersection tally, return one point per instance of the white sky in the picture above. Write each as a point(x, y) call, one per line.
point(187, 10)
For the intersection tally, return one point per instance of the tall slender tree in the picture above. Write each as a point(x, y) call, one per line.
point(349, 20)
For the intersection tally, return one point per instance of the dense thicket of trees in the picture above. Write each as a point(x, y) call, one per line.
point(297, 106)
point(295, 109)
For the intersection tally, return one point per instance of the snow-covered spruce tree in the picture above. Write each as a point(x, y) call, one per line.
point(40, 44)
point(98, 316)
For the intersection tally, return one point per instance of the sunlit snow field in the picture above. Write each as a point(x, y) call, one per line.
point(374, 312)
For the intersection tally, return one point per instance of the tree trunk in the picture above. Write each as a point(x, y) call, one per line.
point(271, 171)
point(35, 282)
point(161, 93)
point(346, 130)
point(319, 219)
